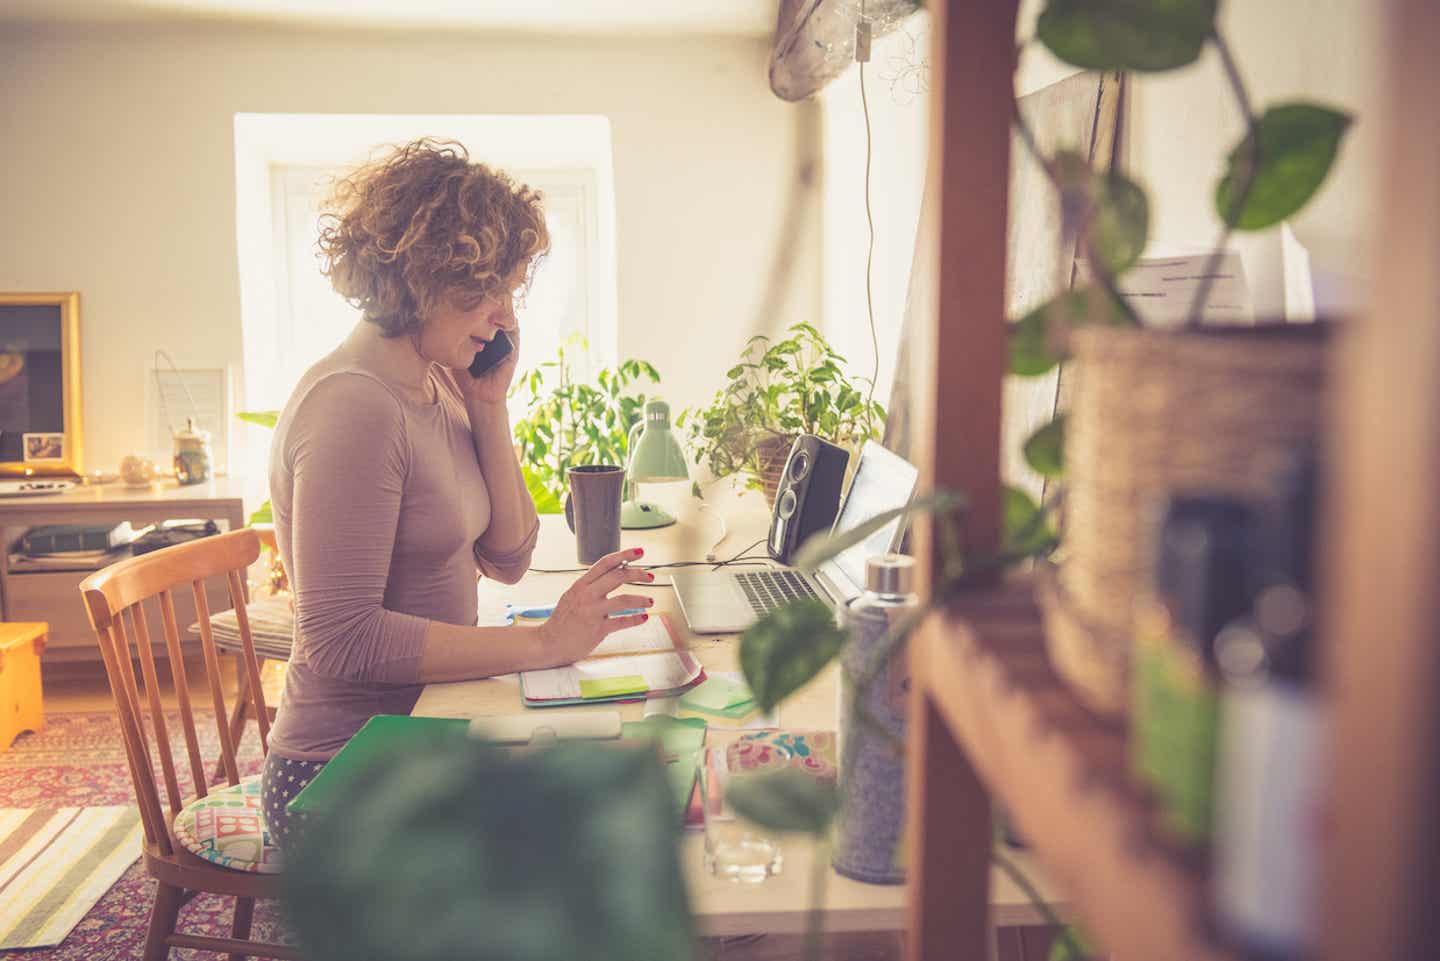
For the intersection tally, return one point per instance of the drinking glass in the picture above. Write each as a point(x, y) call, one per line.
point(735, 849)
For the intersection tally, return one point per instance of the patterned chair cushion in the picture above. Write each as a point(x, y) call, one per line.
point(226, 828)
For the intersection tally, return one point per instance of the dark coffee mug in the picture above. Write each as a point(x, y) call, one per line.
point(593, 509)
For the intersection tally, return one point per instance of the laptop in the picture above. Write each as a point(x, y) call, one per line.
point(725, 602)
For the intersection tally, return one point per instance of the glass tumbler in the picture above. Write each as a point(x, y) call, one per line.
point(735, 849)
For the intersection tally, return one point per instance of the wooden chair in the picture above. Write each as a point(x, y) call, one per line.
point(268, 671)
point(115, 598)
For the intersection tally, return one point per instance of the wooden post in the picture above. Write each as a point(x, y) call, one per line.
point(957, 363)
point(948, 829)
point(958, 358)
point(1381, 613)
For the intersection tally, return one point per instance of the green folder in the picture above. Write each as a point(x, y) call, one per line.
point(379, 736)
point(680, 741)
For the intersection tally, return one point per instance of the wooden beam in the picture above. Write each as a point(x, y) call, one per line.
point(1381, 607)
point(959, 355)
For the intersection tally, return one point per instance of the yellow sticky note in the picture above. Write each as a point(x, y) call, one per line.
point(594, 687)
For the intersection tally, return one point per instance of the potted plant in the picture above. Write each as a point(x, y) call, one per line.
point(1156, 411)
point(568, 422)
point(778, 390)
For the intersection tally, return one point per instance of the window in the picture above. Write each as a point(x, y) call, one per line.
point(283, 165)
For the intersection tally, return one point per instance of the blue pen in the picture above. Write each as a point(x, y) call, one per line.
point(544, 611)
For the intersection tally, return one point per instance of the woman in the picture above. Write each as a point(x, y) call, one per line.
point(393, 473)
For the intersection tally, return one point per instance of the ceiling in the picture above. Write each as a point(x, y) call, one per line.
point(611, 17)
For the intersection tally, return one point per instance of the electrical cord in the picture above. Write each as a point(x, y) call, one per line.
point(740, 558)
point(862, 54)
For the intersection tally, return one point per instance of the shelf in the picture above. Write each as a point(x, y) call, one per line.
point(1060, 773)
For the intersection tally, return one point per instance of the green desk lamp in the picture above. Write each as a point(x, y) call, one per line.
point(655, 456)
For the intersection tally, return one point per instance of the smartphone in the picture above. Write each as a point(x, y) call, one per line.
point(497, 350)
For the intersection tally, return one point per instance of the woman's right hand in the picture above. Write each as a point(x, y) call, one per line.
point(582, 620)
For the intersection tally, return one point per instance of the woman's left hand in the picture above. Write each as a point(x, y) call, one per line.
point(492, 386)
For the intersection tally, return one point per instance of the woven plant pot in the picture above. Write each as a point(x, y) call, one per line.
point(771, 454)
point(1155, 413)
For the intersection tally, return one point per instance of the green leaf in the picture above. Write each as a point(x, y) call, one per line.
point(1071, 945)
point(1027, 528)
point(447, 848)
point(822, 547)
point(263, 418)
point(546, 502)
point(262, 515)
point(1298, 145)
point(1121, 223)
point(786, 800)
point(786, 648)
point(1112, 207)
point(1045, 450)
point(1141, 35)
point(1033, 347)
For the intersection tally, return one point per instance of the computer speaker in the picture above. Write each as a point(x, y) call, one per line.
point(809, 495)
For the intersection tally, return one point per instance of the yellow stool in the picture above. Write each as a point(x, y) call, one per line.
point(21, 704)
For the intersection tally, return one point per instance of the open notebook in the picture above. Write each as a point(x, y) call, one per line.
point(595, 680)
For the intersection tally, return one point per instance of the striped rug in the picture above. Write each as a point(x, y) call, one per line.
point(55, 864)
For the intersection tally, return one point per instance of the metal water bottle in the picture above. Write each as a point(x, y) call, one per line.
point(872, 767)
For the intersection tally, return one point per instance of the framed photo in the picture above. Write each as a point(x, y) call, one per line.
point(40, 430)
point(44, 448)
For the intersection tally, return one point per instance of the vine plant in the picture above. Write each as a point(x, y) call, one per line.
point(1280, 162)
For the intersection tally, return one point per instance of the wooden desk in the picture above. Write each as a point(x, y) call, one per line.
point(54, 596)
point(778, 905)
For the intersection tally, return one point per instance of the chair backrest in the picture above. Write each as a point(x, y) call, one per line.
point(116, 598)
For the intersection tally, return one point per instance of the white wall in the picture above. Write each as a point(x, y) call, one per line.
point(117, 178)
point(1184, 125)
point(1180, 128)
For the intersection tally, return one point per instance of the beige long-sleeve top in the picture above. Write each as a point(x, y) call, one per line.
point(379, 505)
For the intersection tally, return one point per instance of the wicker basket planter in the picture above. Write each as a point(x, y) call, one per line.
point(1153, 413)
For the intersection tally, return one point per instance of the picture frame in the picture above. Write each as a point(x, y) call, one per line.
point(40, 413)
point(44, 448)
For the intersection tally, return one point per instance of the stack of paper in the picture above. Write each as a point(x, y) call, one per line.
point(667, 672)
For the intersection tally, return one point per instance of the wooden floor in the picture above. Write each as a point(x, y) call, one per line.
point(81, 686)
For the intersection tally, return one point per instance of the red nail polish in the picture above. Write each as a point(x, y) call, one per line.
point(639, 552)
point(650, 577)
point(644, 617)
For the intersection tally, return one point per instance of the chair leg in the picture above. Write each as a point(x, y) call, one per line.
point(162, 921)
point(238, 716)
point(240, 930)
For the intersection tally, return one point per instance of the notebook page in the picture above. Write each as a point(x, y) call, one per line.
point(662, 672)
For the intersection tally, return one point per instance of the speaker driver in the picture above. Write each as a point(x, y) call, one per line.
point(799, 465)
point(786, 507)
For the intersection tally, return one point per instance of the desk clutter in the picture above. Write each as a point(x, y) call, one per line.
point(85, 547)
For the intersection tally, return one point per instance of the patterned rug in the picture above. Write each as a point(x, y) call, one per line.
point(79, 761)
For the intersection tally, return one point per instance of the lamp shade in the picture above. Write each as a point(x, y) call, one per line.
point(656, 454)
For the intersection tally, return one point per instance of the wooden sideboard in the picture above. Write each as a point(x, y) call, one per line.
point(53, 596)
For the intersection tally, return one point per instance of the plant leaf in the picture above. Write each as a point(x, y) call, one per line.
point(1298, 145)
point(1142, 35)
point(1045, 450)
point(1027, 528)
point(787, 647)
point(546, 502)
point(822, 547)
point(262, 515)
point(1112, 207)
point(1121, 224)
point(1033, 350)
point(786, 800)
point(263, 418)
point(476, 854)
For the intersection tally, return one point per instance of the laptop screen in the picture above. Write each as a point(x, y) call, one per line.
point(883, 482)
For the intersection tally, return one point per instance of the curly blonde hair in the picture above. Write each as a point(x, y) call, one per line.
point(422, 225)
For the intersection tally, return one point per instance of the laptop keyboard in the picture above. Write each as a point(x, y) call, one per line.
point(767, 590)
